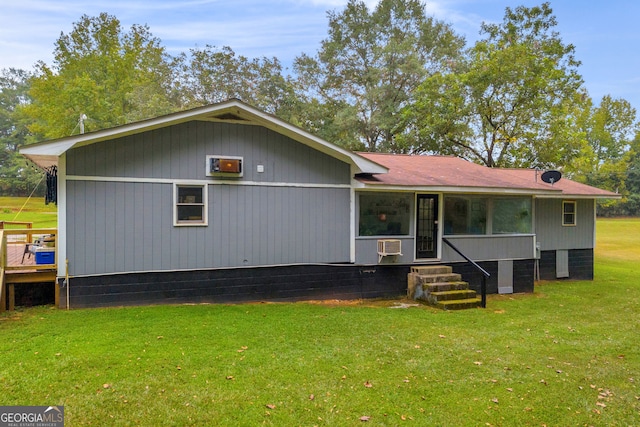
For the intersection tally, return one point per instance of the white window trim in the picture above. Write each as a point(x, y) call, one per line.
point(575, 213)
point(205, 205)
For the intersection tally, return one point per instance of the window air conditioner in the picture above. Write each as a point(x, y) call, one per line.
point(224, 166)
point(388, 247)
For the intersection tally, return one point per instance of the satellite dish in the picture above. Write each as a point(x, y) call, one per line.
point(550, 177)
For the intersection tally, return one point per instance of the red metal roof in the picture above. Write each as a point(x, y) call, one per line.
point(462, 175)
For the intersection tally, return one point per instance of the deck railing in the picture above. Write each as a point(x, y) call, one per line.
point(485, 274)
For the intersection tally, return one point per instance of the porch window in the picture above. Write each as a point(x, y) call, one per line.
point(190, 204)
point(384, 214)
point(512, 215)
point(465, 215)
point(568, 213)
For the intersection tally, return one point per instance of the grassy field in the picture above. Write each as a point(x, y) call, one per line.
point(566, 355)
point(32, 210)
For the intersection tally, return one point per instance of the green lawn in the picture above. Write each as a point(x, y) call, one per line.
point(566, 355)
point(28, 210)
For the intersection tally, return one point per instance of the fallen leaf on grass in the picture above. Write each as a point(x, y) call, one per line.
point(494, 400)
point(271, 406)
point(243, 348)
point(368, 384)
point(365, 418)
point(230, 377)
point(311, 397)
point(477, 363)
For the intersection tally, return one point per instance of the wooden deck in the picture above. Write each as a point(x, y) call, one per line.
point(18, 266)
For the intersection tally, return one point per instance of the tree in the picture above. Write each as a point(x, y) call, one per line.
point(213, 75)
point(16, 178)
point(506, 103)
point(606, 158)
point(110, 76)
point(367, 69)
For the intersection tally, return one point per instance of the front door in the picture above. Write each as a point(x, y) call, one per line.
point(427, 226)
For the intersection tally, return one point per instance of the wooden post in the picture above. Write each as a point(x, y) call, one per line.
point(3, 298)
point(3, 262)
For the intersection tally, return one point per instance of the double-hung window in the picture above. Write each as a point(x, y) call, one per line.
point(190, 204)
point(568, 213)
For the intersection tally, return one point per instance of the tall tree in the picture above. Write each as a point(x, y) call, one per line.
point(16, 178)
point(367, 69)
point(213, 75)
point(608, 129)
point(112, 77)
point(507, 101)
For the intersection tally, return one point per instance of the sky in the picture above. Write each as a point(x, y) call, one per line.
point(605, 34)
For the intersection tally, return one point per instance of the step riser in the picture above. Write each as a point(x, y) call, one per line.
point(430, 269)
point(435, 278)
point(458, 305)
point(435, 297)
point(446, 286)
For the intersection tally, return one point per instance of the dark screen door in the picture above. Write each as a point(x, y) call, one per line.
point(427, 226)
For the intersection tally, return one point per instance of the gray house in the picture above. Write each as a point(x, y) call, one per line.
point(227, 203)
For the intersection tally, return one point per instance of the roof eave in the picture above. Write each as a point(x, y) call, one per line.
point(47, 152)
point(551, 193)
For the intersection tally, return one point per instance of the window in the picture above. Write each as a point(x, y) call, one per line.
point(190, 204)
point(465, 215)
point(511, 215)
point(384, 214)
point(568, 213)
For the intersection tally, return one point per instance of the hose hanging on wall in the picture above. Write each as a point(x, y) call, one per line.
point(51, 193)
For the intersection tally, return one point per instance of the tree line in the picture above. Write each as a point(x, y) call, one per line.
point(386, 79)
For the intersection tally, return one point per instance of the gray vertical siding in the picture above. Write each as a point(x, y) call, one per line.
point(124, 227)
point(551, 234)
point(478, 248)
point(128, 226)
point(179, 152)
point(490, 247)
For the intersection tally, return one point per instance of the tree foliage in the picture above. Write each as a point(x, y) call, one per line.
point(111, 76)
point(16, 178)
point(212, 75)
point(367, 69)
point(606, 158)
point(506, 100)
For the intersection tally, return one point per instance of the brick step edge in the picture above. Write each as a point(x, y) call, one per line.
point(445, 286)
point(458, 304)
point(458, 294)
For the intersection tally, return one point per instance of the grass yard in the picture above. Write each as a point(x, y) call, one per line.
point(566, 355)
point(28, 210)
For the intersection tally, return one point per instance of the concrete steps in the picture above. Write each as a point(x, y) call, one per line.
point(440, 287)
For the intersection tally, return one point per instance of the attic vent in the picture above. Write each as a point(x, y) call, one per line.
point(388, 247)
point(224, 166)
point(229, 117)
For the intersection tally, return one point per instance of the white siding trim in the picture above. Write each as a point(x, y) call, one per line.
point(203, 182)
point(352, 225)
point(61, 244)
